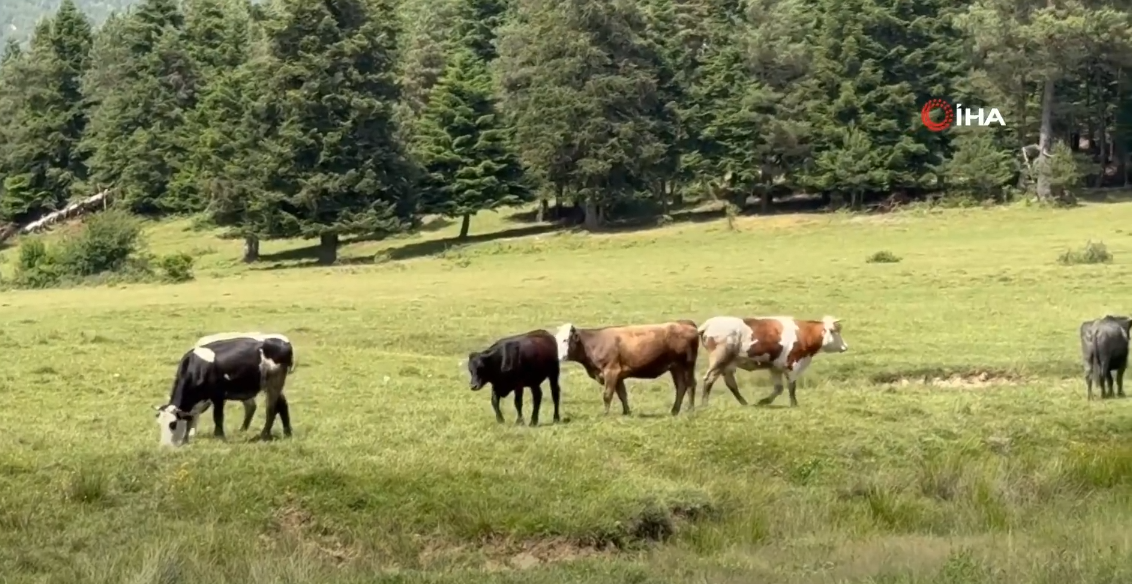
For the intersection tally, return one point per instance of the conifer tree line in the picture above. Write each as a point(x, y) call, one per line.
point(327, 119)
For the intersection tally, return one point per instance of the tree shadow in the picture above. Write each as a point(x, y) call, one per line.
point(682, 212)
point(408, 251)
point(1106, 195)
point(436, 246)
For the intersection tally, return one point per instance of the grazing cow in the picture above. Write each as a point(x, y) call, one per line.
point(515, 362)
point(231, 369)
point(1104, 349)
point(783, 344)
point(613, 354)
point(249, 404)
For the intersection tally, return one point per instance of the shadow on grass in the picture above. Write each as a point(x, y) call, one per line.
point(685, 212)
point(307, 255)
point(1107, 195)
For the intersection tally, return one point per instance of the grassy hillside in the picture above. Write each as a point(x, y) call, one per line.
point(995, 469)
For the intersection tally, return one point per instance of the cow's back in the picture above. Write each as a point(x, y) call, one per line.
point(650, 349)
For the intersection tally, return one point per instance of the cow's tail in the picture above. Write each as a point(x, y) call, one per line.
point(702, 329)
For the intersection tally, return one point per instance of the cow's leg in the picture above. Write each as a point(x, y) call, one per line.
point(709, 380)
point(556, 395)
point(1120, 381)
point(681, 388)
point(249, 413)
point(791, 386)
point(519, 405)
point(1106, 384)
point(272, 410)
point(536, 399)
point(1089, 382)
point(729, 379)
point(284, 410)
point(623, 395)
point(495, 405)
point(610, 387)
point(776, 377)
point(218, 417)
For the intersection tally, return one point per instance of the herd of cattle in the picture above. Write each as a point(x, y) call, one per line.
point(238, 366)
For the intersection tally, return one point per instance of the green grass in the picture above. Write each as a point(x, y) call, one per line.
point(398, 473)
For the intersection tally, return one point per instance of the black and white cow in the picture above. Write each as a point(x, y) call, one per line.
point(249, 404)
point(229, 369)
point(1104, 349)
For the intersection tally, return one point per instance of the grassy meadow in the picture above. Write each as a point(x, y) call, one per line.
point(951, 444)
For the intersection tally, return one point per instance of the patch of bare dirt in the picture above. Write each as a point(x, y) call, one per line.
point(295, 524)
point(965, 380)
point(500, 554)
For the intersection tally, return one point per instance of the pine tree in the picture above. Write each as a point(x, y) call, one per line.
point(464, 148)
point(332, 163)
point(218, 40)
point(580, 81)
point(41, 163)
point(142, 93)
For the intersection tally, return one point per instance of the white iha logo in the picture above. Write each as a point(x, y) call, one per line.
point(957, 115)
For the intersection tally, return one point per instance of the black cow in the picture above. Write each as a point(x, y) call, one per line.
point(232, 369)
point(515, 362)
point(1104, 349)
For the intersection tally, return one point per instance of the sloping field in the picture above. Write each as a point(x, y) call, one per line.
point(951, 444)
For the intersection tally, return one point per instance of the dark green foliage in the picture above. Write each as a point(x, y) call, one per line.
point(464, 148)
point(331, 163)
point(39, 160)
point(143, 84)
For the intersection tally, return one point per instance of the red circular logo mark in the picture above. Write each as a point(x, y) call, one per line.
point(926, 115)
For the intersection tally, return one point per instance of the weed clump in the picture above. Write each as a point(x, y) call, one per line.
point(1092, 253)
point(883, 257)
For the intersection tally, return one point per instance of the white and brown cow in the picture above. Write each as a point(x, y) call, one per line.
point(783, 344)
point(610, 355)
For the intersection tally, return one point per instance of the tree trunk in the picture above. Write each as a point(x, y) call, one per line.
point(465, 224)
point(1045, 143)
point(543, 210)
point(328, 248)
point(1120, 132)
point(592, 219)
point(251, 249)
point(767, 198)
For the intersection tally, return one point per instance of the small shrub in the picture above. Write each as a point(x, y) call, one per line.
point(883, 257)
point(105, 244)
point(36, 266)
point(176, 267)
point(1092, 253)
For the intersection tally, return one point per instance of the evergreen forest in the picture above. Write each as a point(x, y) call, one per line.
point(357, 118)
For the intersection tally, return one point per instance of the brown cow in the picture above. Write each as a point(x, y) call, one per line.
point(613, 354)
point(783, 344)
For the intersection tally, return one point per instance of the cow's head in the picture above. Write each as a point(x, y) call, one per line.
point(173, 424)
point(831, 341)
point(476, 373)
point(567, 337)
